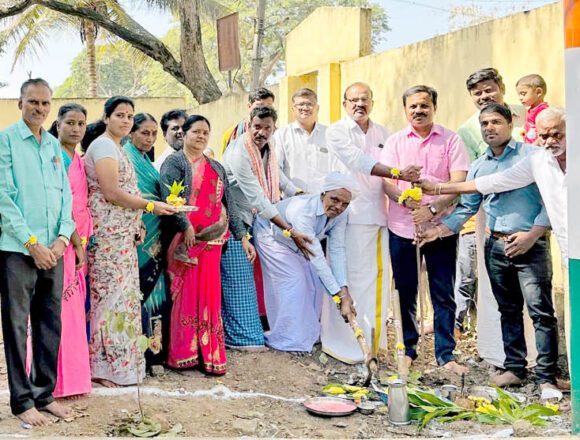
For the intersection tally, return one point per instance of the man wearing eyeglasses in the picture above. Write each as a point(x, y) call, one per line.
point(301, 146)
point(358, 142)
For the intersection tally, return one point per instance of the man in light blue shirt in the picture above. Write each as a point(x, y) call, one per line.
point(36, 224)
point(293, 285)
point(517, 252)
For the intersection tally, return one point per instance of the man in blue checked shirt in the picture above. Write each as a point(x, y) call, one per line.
point(36, 224)
point(517, 251)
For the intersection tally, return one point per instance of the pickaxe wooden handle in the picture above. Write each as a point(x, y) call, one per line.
point(370, 361)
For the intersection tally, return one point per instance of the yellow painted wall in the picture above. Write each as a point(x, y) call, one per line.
point(516, 45)
point(328, 35)
point(227, 111)
point(9, 112)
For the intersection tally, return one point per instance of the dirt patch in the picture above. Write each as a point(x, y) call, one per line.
point(280, 381)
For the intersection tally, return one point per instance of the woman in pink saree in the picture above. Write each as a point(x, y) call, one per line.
point(197, 334)
point(74, 374)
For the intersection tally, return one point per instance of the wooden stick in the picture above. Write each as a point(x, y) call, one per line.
point(402, 367)
point(370, 360)
point(421, 293)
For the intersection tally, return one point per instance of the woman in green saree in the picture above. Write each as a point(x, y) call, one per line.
point(155, 307)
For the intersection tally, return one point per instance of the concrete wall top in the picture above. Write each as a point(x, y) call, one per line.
point(328, 35)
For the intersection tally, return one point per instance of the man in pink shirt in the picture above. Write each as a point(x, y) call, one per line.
point(444, 158)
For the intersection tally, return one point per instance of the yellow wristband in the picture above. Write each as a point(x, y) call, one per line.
point(84, 241)
point(248, 236)
point(336, 298)
point(287, 233)
point(32, 240)
point(396, 173)
point(150, 207)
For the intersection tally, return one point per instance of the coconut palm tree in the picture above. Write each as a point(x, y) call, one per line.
point(31, 29)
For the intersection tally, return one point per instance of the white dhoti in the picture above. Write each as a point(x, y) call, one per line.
point(367, 252)
point(292, 294)
point(489, 336)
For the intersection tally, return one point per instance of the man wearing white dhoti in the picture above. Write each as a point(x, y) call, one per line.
point(358, 141)
point(293, 285)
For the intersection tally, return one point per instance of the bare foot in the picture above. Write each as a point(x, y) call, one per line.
point(546, 386)
point(456, 368)
point(563, 385)
point(106, 383)
point(58, 410)
point(550, 391)
point(409, 361)
point(33, 417)
point(506, 379)
point(75, 397)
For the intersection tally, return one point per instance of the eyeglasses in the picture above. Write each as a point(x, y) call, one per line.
point(304, 105)
point(362, 101)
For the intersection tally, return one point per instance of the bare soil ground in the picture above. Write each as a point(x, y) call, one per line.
point(284, 379)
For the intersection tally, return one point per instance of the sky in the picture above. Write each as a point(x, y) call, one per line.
point(409, 20)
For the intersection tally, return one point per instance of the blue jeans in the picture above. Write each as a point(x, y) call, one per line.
point(466, 278)
point(525, 277)
point(440, 257)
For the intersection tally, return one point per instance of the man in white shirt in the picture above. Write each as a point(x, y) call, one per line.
point(358, 142)
point(171, 126)
point(301, 146)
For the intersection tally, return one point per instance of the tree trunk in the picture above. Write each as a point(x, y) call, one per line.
point(193, 63)
point(257, 49)
point(90, 42)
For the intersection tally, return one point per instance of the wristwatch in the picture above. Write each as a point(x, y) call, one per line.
point(433, 210)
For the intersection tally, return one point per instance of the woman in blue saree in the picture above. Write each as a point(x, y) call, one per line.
point(155, 307)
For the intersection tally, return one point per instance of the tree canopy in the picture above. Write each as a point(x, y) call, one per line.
point(178, 63)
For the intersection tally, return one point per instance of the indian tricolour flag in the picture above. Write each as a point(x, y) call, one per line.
point(572, 56)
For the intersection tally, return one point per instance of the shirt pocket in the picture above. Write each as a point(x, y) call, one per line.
point(53, 184)
point(437, 163)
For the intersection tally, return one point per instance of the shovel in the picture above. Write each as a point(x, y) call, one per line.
point(370, 359)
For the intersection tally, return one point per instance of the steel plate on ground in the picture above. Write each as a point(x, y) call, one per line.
point(329, 406)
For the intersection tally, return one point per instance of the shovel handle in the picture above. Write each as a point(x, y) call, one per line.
point(360, 338)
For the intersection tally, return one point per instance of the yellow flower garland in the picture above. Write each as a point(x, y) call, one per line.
point(415, 194)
